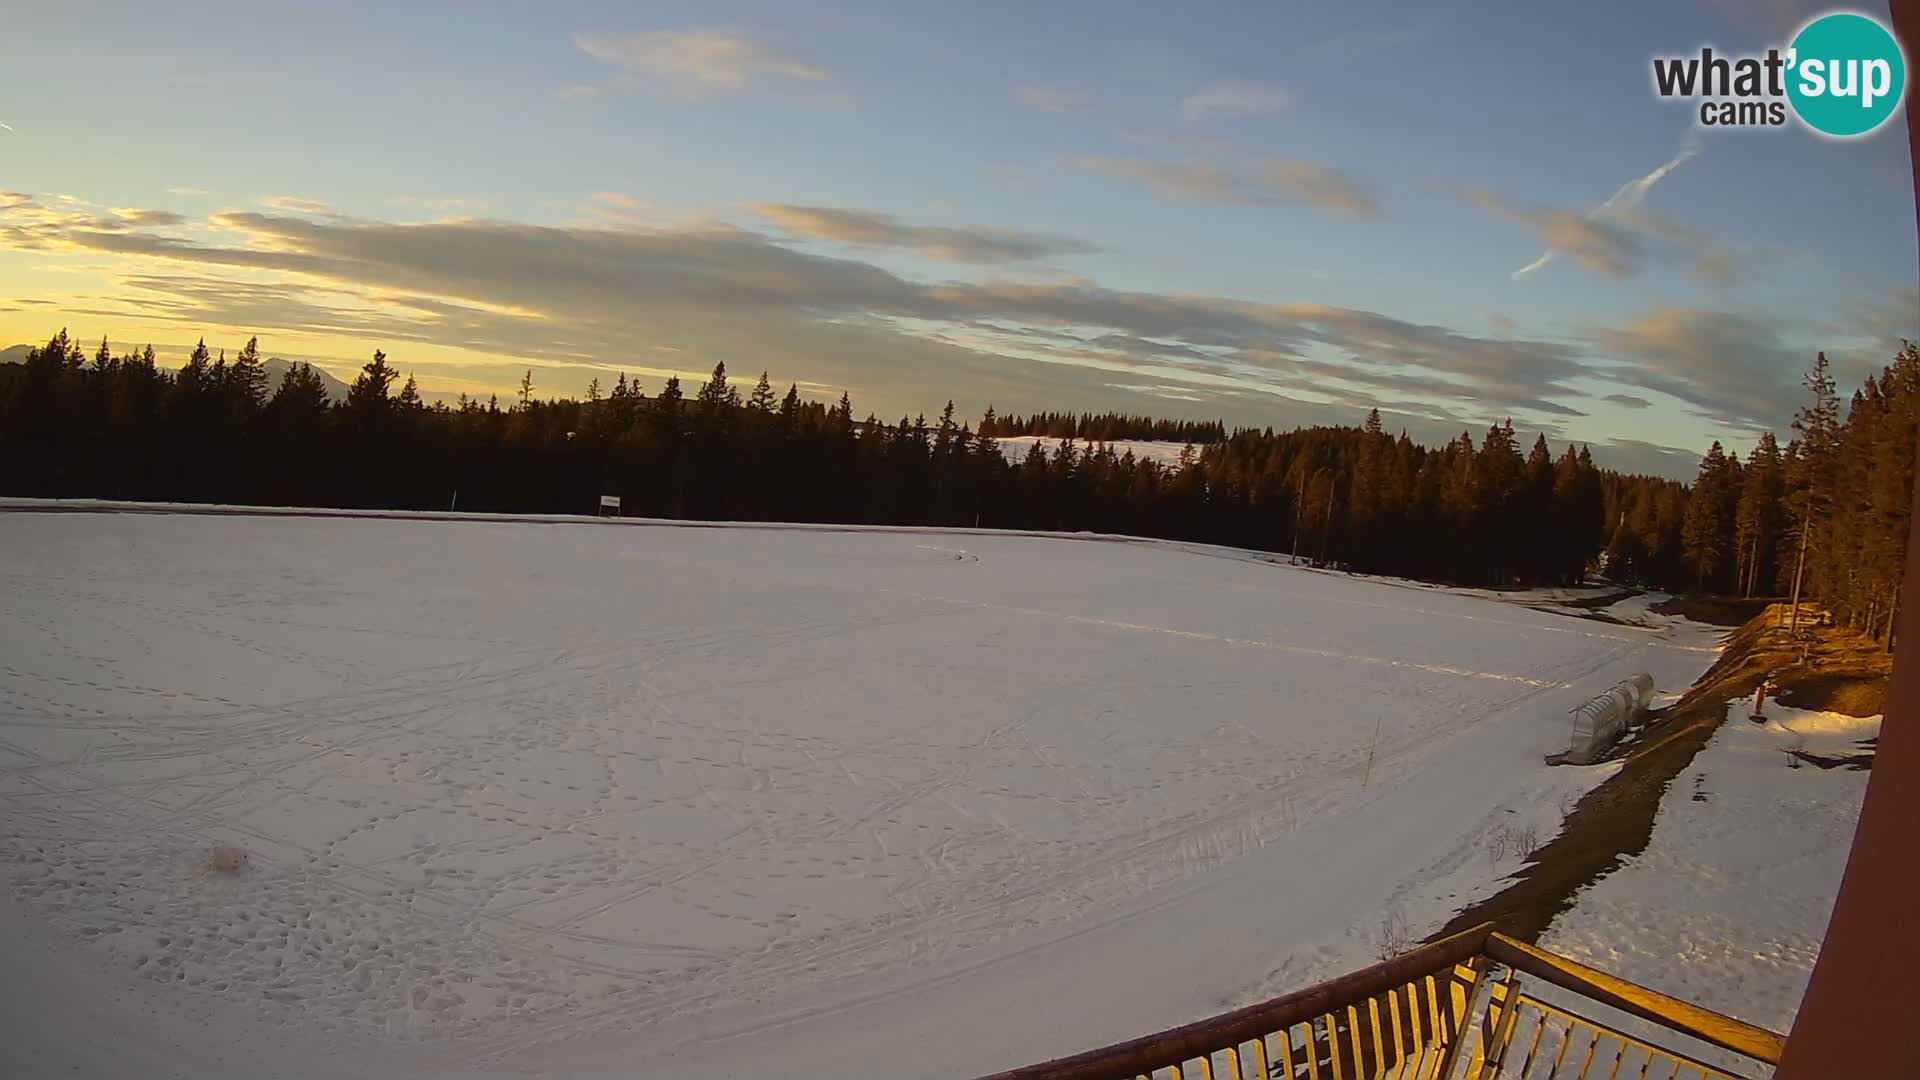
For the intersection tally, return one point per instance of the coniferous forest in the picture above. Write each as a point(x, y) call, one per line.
point(1829, 507)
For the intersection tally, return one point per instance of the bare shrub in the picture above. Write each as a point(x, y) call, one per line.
point(1395, 936)
point(1526, 841)
point(1497, 843)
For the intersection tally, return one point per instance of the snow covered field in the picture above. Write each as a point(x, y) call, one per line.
point(572, 799)
point(1016, 447)
point(1728, 904)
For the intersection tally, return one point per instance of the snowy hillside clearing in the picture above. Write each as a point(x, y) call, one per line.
point(566, 797)
point(1016, 447)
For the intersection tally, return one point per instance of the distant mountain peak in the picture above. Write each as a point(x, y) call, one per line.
point(276, 370)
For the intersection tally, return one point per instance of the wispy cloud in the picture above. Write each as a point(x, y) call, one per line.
point(964, 244)
point(1608, 216)
point(1230, 99)
point(1629, 401)
point(700, 292)
point(693, 62)
point(1735, 368)
point(294, 204)
point(622, 210)
point(1599, 246)
point(498, 288)
point(622, 200)
point(1053, 99)
point(188, 192)
point(148, 218)
point(1267, 183)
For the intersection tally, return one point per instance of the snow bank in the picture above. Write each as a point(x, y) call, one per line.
point(1728, 904)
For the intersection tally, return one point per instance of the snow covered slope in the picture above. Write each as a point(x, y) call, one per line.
point(1728, 905)
point(1016, 447)
point(569, 798)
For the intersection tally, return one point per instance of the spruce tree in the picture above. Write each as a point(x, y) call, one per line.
point(1707, 531)
point(762, 399)
point(368, 396)
point(713, 393)
point(1757, 515)
point(1817, 425)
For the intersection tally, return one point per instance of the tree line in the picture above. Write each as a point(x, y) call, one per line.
point(1107, 427)
point(1825, 517)
point(1481, 512)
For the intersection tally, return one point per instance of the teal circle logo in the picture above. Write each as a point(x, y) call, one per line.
point(1846, 74)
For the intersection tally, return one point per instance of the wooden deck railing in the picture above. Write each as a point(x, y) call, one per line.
point(1462, 1008)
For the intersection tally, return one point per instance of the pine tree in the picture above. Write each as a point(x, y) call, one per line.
point(1817, 424)
point(301, 392)
point(1708, 527)
point(762, 399)
point(194, 374)
point(986, 445)
point(247, 379)
point(369, 393)
point(713, 393)
point(1757, 515)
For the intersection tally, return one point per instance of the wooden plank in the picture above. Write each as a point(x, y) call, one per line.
point(1703, 1024)
point(1260, 1070)
point(1379, 1038)
point(1400, 1038)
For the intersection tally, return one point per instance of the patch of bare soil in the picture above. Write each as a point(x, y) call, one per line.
point(1714, 610)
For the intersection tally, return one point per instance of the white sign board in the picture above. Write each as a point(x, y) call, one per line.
point(610, 502)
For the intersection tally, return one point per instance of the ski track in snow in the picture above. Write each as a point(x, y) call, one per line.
point(513, 790)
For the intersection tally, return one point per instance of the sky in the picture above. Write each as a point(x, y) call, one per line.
point(1274, 214)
